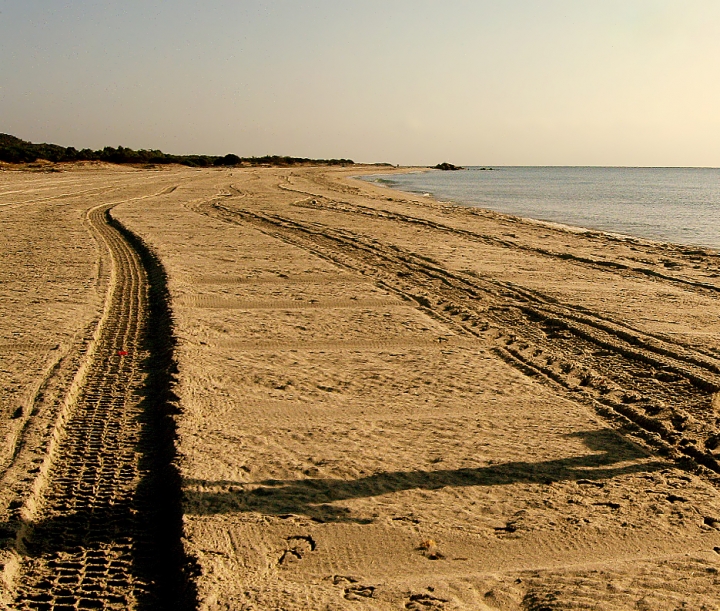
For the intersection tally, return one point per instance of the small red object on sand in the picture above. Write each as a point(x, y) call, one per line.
point(122, 352)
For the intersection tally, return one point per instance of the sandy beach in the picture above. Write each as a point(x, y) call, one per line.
point(372, 400)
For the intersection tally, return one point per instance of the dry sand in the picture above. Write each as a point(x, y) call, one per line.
point(387, 402)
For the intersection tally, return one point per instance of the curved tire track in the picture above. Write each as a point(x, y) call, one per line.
point(664, 390)
point(320, 203)
point(103, 529)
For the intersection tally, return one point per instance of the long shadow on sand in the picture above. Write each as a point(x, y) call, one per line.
point(312, 497)
point(103, 544)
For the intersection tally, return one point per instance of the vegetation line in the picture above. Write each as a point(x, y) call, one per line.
point(15, 150)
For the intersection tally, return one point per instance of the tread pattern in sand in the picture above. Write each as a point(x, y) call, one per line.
point(598, 264)
point(27, 347)
point(87, 545)
point(441, 343)
point(620, 365)
point(465, 468)
point(283, 280)
point(207, 301)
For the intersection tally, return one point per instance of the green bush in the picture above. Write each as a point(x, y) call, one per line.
point(15, 150)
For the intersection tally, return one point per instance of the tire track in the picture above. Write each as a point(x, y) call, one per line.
point(701, 255)
point(440, 343)
point(665, 391)
point(102, 529)
point(320, 203)
point(28, 347)
point(284, 280)
point(95, 191)
point(213, 302)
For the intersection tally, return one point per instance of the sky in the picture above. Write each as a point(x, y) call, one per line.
point(410, 82)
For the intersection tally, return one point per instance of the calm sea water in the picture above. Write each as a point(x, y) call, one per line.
point(680, 205)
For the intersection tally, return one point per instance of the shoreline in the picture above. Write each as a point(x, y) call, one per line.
point(570, 226)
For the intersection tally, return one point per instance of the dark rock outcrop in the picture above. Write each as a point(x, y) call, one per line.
point(448, 166)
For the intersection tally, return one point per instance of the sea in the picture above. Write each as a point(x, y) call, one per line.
point(678, 205)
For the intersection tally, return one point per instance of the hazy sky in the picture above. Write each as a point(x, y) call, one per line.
point(512, 82)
